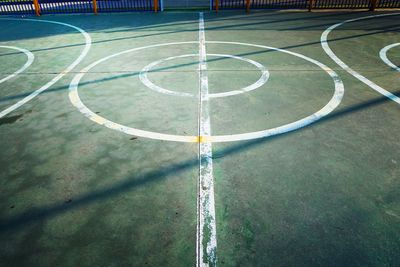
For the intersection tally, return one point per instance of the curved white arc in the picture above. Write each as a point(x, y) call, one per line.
point(30, 58)
point(86, 69)
point(76, 101)
point(383, 56)
point(206, 224)
point(331, 54)
point(284, 128)
point(332, 104)
point(146, 81)
point(261, 81)
point(88, 42)
point(329, 107)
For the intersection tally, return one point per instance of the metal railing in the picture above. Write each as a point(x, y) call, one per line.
point(38, 7)
point(303, 4)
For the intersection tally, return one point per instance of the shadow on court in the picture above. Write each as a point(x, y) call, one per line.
point(387, 29)
point(37, 214)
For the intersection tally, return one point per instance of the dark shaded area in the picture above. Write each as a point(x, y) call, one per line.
point(42, 213)
point(10, 120)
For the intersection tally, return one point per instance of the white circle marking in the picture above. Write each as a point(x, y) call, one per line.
point(329, 107)
point(383, 55)
point(146, 81)
point(329, 52)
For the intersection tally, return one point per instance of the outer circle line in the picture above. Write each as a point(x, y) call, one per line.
point(76, 101)
point(329, 52)
point(88, 43)
point(329, 107)
point(30, 58)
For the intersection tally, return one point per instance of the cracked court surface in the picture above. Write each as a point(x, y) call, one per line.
point(80, 186)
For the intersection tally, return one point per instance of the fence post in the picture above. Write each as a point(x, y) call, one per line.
point(247, 6)
point(216, 5)
point(37, 7)
point(95, 7)
point(155, 6)
point(310, 5)
point(373, 5)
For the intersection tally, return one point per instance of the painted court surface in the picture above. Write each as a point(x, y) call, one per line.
point(183, 139)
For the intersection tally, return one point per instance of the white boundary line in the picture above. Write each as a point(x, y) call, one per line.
point(29, 62)
point(84, 52)
point(328, 108)
point(206, 226)
point(260, 82)
point(328, 50)
point(383, 55)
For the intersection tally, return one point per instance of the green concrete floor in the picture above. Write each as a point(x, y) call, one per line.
point(75, 193)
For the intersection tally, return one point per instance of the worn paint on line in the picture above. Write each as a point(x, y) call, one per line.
point(206, 228)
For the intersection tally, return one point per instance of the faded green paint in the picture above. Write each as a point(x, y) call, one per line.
point(74, 193)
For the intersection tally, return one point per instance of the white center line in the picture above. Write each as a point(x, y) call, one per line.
point(206, 228)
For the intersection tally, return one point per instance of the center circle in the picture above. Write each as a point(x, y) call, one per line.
point(292, 126)
point(146, 81)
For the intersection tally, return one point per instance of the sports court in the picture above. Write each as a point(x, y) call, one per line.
point(196, 138)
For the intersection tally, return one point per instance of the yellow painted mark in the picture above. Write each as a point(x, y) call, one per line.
point(203, 139)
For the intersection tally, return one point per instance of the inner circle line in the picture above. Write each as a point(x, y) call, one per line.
point(29, 61)
point(385, 59)
point(261, 81)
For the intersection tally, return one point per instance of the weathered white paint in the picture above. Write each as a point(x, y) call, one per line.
point(76, 101)
point(206, 226)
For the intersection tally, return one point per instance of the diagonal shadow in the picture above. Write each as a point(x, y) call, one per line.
point(136, 73)
point(158, 33)
point(45, 212)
